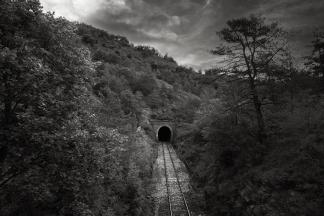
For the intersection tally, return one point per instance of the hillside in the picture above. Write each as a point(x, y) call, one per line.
point(76, 104)
point(72, 98)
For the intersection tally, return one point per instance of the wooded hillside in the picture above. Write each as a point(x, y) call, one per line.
point(72, 97)
point(256, 148)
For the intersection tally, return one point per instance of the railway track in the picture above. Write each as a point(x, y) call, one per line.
point(176, 203)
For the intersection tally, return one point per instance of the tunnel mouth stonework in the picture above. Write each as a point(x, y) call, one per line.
point(164, 134)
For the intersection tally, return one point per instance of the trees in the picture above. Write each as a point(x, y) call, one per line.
point(43, 73)
point(251, 46)
point(316, 60)
point(145, 83)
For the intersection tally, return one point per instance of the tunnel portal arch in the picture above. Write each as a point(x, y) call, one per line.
point(166, 124)
point(164, 134)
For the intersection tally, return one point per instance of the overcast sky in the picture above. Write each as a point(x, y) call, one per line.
point(186, 29)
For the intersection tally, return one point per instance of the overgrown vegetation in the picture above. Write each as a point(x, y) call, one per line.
point(256, 148)
point(73, 100)
point(72, 97)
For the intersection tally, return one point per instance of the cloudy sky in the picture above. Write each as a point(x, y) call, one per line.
point(186, 29)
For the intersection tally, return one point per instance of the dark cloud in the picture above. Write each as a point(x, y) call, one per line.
point(186, 29)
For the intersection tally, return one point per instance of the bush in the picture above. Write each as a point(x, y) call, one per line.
point(145, 84)
point(101, 55)
point(88, 39)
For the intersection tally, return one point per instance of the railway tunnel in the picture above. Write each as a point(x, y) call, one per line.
point(164, 134)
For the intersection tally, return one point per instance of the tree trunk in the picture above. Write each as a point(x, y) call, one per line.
point(7, 100)
point(7, 111)
point(258, 111)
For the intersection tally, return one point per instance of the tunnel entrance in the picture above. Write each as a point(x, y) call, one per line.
point(164, 134)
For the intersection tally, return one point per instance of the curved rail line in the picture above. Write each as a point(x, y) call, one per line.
point(171, 210)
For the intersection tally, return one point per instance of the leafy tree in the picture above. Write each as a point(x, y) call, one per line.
point(147, 51)
point(185, 112)
point(316, 61)
point(144, 83)
point(101, 55)
point(43, 71)
point(251, 45)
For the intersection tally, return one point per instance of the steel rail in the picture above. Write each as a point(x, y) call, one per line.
point(177, 177)
point(167, 182)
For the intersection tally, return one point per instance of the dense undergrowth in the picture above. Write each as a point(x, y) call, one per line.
point(238, 174)
point(75, 101)
point(72, 98)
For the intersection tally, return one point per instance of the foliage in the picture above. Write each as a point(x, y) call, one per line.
point(315, 62)
point(72, 99)
point(251, 46)
point(222, 150)
point(145, 84)
point(101, 55)
point(147, 51)
point(65, 129)
point(186, 111)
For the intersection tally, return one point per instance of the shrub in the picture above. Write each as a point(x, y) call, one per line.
point(145, 84)
point(101, 55)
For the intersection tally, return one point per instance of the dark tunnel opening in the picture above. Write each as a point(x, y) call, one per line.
point(164, 134)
